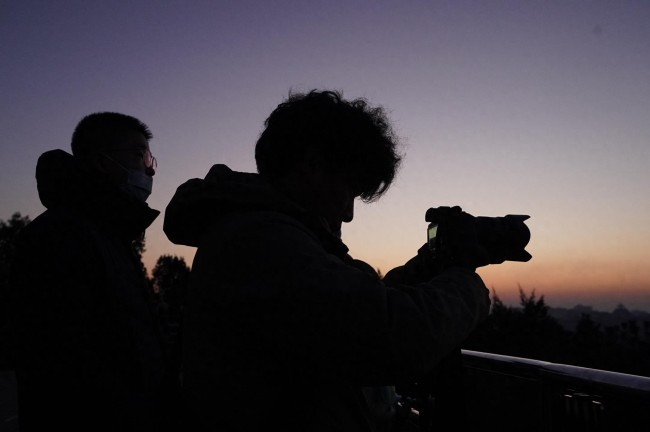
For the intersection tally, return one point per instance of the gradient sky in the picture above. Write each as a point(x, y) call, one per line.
point(524, 107)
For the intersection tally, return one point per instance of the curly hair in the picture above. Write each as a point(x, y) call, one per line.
point(345, 136)
point(102, 130)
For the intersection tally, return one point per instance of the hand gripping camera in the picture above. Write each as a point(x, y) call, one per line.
point(503, 238)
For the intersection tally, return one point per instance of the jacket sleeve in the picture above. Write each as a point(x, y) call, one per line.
point(416, 270)
point(331, 315)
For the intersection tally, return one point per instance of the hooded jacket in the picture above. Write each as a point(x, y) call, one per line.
point(86, 343)
point(283, 328)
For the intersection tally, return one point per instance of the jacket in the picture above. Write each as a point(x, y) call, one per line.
point(283, 328)
point(86, 342)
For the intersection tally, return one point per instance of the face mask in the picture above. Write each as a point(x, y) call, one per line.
point(138, 185)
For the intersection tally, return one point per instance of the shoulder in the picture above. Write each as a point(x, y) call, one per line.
point(59, 217)
point(57, 236)
point(259, 241)
point(59, 226)
point(258, 226)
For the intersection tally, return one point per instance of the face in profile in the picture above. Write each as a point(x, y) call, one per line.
point(133, 153)
point(126, 158)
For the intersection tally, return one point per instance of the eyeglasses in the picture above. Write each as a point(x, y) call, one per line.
point(148, 159)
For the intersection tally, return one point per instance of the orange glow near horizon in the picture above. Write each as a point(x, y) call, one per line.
point(569, 283)
point(602, 285)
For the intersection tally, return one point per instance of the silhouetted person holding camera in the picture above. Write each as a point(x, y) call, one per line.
point(88, 351)
point(283, 329)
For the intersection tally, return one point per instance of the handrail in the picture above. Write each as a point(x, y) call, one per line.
point(632, 382)
point(526, 394)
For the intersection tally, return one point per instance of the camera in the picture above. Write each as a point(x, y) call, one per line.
point(503, 238)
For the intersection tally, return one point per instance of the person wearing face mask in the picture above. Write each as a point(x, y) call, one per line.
point(87, 345)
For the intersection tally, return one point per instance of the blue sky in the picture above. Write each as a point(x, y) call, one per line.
point(524, 107)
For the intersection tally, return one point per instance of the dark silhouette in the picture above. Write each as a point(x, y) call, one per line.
point(9, 231)
point(87, 345)
point(616, 341)
point(282, 328)
point(170, 277)
point(529, 330)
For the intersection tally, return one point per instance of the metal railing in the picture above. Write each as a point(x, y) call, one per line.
point(519, 394)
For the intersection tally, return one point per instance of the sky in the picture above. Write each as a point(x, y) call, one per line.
point(539, 108)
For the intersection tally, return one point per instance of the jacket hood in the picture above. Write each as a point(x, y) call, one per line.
point(198, 203)
point(64, 182)
point(58, 179)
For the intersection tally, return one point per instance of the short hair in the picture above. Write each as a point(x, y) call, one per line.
point(348, 136)
point(100, 131)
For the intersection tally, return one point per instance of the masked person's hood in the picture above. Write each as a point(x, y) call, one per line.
point(199, 203)
point(62, 181)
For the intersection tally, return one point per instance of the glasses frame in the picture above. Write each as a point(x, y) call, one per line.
point(148, 158)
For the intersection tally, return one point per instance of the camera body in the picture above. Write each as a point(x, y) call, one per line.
point(503, 238)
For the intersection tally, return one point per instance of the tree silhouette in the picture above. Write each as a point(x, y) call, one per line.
point(139, 247)
point(9, 231)
point(170, 277)
point(528, 331)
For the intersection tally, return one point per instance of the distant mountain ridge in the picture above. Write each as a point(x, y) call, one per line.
point(569, 318)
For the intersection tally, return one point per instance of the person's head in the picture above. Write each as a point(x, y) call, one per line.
point(325, 151)
point(116, 147)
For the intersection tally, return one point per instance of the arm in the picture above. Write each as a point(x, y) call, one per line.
point(340, 319)
point(416, 270)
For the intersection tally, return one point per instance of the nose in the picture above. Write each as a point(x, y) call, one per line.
point(150, 171)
